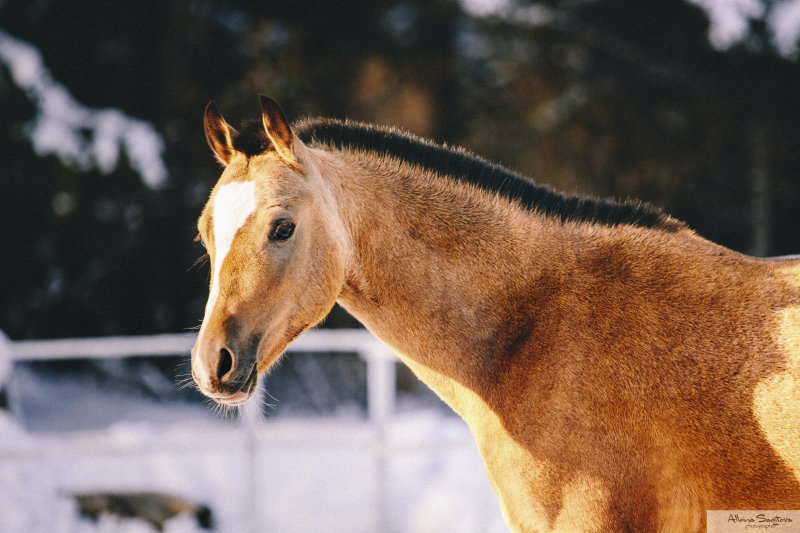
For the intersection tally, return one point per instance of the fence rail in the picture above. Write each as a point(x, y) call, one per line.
point(329, 340)
point(379, 359)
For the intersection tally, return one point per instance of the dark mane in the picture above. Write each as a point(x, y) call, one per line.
point(462, 165)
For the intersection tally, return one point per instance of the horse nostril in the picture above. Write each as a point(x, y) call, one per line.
point(225, 363)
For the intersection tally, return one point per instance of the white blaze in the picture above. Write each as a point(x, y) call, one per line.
point(233, 204)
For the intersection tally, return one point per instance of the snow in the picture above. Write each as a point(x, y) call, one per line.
point(784, 22)
point(730, 22)
point(62, 124)
point(485, 8)
point(729, 19)
point(302, 475)
point(534, 14)
point(418, 471)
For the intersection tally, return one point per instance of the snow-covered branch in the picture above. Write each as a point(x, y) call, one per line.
point(730, 22)
point(77, 134)
point(729, 19)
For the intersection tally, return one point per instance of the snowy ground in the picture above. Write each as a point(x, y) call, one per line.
point(419, 473)
point(282, 476)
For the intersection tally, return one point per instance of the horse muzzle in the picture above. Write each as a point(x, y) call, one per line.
point(223, 374)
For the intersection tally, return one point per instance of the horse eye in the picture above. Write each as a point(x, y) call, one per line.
point(281, 231)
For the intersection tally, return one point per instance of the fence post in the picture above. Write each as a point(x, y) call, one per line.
point(251, 417)
point(6, 368)
point(381, 390)
point(381, 384)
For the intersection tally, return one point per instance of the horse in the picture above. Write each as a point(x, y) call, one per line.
point(618, 371)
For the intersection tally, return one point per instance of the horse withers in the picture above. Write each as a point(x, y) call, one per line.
point(618, 371)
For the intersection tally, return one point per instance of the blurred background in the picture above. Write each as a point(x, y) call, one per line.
point(693, 105)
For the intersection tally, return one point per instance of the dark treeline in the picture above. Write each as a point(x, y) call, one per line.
point(622, 98)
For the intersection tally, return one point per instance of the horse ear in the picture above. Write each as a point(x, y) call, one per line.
point(219, 134)
point(277, 128)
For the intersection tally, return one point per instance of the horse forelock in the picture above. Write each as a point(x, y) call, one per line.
point(461, 165)
point(252, 140)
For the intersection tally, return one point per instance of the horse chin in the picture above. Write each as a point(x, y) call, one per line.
point(236, 400)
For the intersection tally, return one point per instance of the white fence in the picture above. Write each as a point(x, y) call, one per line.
point(381, 475)
point(379, 359)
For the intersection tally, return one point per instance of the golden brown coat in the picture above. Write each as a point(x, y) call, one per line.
point(616, 377)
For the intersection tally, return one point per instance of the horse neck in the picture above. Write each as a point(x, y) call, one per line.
point(443, 272)
point(471, 290)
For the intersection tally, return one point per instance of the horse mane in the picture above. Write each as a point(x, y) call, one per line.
point(461, 165)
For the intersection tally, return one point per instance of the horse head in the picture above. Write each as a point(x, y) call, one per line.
point(276, 246)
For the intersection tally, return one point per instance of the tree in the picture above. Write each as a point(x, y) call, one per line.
point(613, 97)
